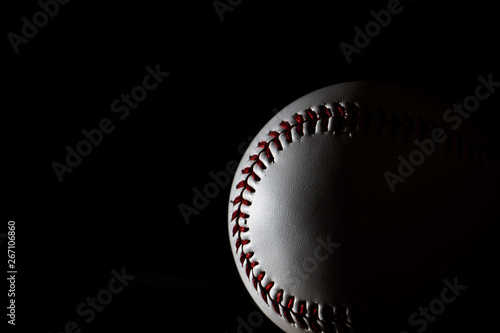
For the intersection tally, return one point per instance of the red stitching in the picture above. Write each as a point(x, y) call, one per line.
point(300, 318)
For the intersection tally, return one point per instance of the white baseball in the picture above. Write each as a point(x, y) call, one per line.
point(321, 241)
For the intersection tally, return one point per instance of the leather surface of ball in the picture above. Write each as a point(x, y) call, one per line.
point(354, 203)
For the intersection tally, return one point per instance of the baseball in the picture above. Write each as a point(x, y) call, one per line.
point(357, 204)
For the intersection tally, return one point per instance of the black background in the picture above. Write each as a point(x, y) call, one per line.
point(119, 207)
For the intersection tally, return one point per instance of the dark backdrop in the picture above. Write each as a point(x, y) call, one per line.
point(119, 208)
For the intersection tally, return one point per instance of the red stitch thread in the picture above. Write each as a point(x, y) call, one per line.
point(245, 256)
point(265, 146)
point(251, 172)
point(313, 115)
point(257, 161)
point(288, 315)
point(326, 114)
point(265, 292)
point(247, 187)
point(277, 303)
point(341, 110)
point(250, 266)
point(239, 199)
point(238, 228)
point(238, 213)
point(277, 141)
point(288, 133)
point(300, 124)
